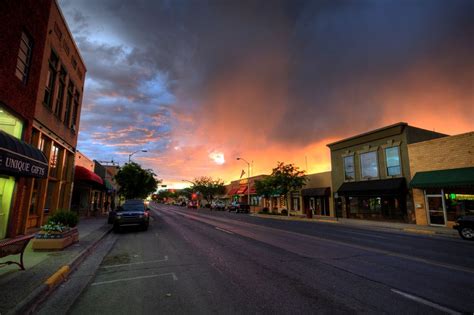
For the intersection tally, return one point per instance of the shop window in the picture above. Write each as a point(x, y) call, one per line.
point(50, 80)
point(295, 205)
point(349, 171)
point(45, 146)
point(53, 164)
point(51, 192)
point(369, 165)
point(68, 166)
point(458, 205)
point(10, 124)
point(23, 61)
point(34, 197)
point(392, 156)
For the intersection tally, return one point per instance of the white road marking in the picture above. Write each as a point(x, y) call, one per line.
point(137, 263)
point(425, 302)
point(228, 232)
point(136, 278)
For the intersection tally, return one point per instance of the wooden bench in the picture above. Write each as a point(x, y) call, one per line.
point(14, 246)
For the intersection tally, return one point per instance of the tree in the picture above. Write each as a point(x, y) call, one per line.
point(136, 182)
point(266, 187)
point(164, 195)
point(286, 178)
point(208, 187)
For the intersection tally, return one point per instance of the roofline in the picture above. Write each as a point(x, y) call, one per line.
point(72, 37)
point(368, 133)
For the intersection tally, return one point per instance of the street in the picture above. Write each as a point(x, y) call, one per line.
point(201, 261)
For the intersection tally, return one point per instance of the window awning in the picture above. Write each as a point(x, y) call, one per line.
point(109, 186)
point(232, 191)
point(20, 158)
point(83, 174)
point(380, 187)
point(253, 190)
point(323, 191)
point(241, 190)
point(458, 177)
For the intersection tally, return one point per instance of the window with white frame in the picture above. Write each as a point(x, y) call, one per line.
point(392, 156)
point(368, 164)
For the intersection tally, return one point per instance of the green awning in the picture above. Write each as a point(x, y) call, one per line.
point(108, 185)
point(457, 177)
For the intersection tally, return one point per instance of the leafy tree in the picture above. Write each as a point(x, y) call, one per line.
point(208, 187)
point(266, 187)
point(186, 192)
point(136, 182)
point(286, 178)
point(165, 194)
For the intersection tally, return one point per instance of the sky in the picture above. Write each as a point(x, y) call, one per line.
point(199, 83)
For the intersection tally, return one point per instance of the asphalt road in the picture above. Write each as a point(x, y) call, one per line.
point(200, 262)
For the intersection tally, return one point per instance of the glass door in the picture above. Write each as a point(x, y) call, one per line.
point(436, 210)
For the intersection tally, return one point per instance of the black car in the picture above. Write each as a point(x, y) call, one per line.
point(239, 207)
point(132, 214)
point(465, 227)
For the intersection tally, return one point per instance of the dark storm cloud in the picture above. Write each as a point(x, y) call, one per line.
point(295, 72)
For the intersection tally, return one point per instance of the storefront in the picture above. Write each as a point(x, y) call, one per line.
point(89, 191)
point(316, 201)
point(448, 194)
point(383, 200)
point(17, 160)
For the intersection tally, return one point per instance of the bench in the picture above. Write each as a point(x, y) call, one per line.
point(14, 246)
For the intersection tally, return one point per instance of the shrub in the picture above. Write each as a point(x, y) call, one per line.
point(284, 212)
point(64, 217)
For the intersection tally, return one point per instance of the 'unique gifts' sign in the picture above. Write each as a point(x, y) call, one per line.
point(16, 163)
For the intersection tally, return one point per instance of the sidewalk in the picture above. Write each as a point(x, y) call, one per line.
point(378, 225)
point(19, 290)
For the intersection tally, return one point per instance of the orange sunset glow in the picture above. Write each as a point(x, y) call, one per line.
point(267, 85)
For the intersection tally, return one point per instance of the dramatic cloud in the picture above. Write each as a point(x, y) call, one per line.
point(199, 83)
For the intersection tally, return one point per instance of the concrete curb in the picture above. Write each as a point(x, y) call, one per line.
point(37, 296)
point(394, 228)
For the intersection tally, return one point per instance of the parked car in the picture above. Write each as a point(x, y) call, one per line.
point(239, 207)
point(218, 205)
point(132, 213)
point(193, 204)
point(465, 227)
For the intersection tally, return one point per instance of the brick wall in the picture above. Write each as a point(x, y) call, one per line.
point(438, 154)
point(443, 153)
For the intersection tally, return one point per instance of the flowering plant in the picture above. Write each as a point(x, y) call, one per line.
point(52, 227)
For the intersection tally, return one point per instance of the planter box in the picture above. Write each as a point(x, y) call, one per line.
point(55, 241)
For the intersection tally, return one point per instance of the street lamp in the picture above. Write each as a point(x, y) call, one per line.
point(248, 179)
point(130, 155)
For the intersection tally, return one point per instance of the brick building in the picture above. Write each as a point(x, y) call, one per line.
point(41, 86)
point(443, 181)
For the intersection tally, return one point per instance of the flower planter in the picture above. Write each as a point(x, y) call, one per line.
point(55, 240)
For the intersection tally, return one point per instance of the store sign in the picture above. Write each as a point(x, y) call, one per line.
point(24, 166)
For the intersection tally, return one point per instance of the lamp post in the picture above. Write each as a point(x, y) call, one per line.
point(130, 155)
point(248, 179)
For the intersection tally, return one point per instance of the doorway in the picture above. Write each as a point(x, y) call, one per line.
point(7, 185)
point(436, 209)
